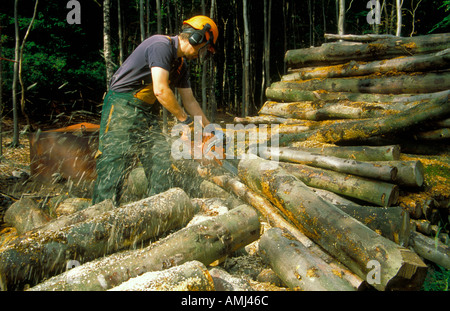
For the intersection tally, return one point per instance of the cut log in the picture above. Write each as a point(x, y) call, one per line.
point(267, 120)
point(283, 92)
point(397, 84)
point(438, 134)
point(25, 215)
point(409, 173)
point(376, 192)
point(431, 249)
point(359, 168)
point(343, 237)
point(274, 217)
point(354, 130)
point(296, 266)
point(359, 153)
point(205, 242)
point(35, 256)
point(337, 53)
point(368, 37)
point(422, 226)
point(392, 223)
point(418, 63)
point(80, 216)
point(190, 276)
point(343, 109)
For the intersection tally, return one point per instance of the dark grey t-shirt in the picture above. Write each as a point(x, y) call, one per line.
point(155, 51)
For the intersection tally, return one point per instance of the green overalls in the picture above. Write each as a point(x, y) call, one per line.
point(129, 130)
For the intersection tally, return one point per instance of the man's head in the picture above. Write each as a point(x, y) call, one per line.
point(201, 32)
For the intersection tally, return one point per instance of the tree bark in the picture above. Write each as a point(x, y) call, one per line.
point(284, 92)
point(368, 190)
point(417, 63)
point(190, 276)
point(348, 240)
point(359, 153)
point(15, 142)
point(354, 130)
point(33, 257)
point(107, 49)
point(205, 242)
point(398, 84)
point(358, 38)
point(246, 74)
point(296, 266)
point(338, 53)
point(359, 168)
point(392, 223)
point(431, 250)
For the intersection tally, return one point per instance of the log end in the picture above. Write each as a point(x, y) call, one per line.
point(411, 275)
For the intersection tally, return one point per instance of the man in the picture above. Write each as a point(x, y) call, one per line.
point(129, 127)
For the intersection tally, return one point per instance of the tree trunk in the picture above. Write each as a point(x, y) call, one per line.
point(348, 240)
point(33, 257)
point(409, 173)
point(246, 75)
point(416, 63)
point(400, 84)
point(22, 87)
point(206, 242)
point(284, 92)
point(190, 276)
point(399, 3)
point(367, 190)
point(357, 38)
point(338, 53)
point(354, 130)
point(15, 142)
point(431, 250)
point(296, 266)
point(392, 223)
point(328, 110)
point(107, 49)
point(359, 153)
point(364, 169)
point(341, 19)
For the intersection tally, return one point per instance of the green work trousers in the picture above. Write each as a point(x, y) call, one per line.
point(128, 132)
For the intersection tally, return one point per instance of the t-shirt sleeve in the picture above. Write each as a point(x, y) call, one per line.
point(159, 55)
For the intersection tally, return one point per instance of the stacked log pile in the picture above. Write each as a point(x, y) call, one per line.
point(366, 123)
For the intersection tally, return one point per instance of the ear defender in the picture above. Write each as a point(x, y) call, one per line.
point(198, 36)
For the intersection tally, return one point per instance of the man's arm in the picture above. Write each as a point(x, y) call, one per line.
point(191, 104)
point(164, 94)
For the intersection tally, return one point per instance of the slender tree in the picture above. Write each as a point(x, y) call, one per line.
point(15, 141)
point(399, 4)
point(22, 94)
point(341, 19)
point(107, 50)
point(246, 76)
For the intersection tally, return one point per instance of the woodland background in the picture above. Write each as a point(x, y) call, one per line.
point(64, 67)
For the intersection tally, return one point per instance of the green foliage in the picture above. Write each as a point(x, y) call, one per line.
point(438, 279)
point(446, 21)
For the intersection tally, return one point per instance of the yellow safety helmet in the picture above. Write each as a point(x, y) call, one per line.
point(204, 30)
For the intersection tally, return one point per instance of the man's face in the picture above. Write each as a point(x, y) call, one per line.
point(194, 51)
